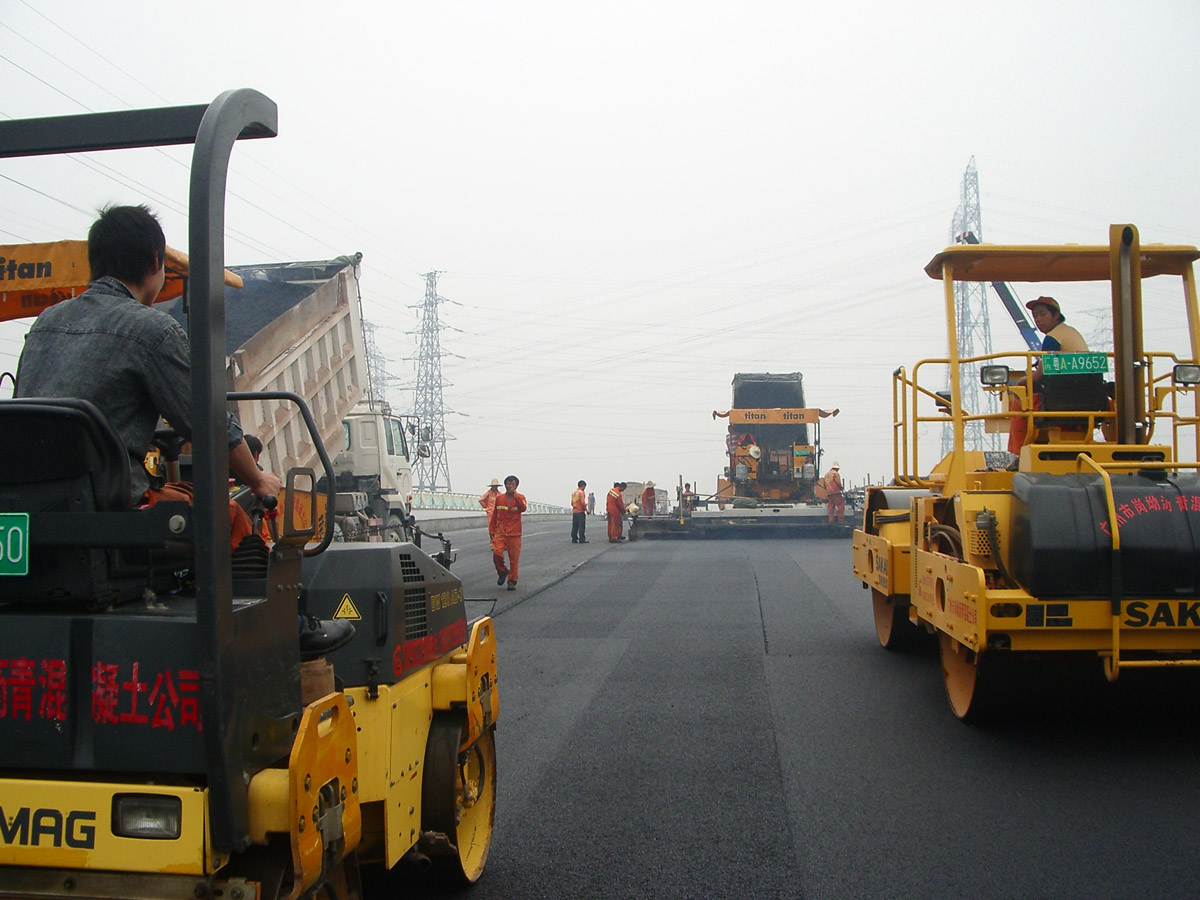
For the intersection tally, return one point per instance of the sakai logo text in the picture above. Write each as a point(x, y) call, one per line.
point(48, 828)
point(1178, 614)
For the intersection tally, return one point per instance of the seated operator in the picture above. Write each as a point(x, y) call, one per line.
point(1059, 338)
point(110, 347)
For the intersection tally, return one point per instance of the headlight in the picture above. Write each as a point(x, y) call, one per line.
point(1186, 373)
point(147, 816)
point(993, 374)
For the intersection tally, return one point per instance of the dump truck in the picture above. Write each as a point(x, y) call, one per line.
point(296, 327)
point(160, 736)
point(772, 484)
point(1084, 548)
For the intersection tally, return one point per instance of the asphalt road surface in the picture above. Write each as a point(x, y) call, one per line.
point(715, 719)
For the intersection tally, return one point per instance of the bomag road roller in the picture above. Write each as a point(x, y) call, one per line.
point(1082, 546)
point(160, 736)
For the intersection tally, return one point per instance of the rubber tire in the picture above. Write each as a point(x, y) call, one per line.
point(396, 532)
point(468, 828)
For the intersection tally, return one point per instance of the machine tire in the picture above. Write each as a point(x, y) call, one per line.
point(397, 532)
point(971, 689)
point(892, 626)
point(458, 798)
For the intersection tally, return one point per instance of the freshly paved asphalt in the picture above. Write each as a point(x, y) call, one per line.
point(716, 719)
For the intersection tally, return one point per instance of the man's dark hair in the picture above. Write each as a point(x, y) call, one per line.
point(254, 444)
point(512, 478)
point(126, 243)
point(583, 484)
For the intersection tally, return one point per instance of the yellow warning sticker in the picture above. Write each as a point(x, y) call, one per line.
point(346, 609)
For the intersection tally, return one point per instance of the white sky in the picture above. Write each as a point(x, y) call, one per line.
point(630, 202)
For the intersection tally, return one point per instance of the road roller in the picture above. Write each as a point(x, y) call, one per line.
point(1081, 542)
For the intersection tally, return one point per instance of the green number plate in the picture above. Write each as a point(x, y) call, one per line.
point(14, 543)
point(1074, 363)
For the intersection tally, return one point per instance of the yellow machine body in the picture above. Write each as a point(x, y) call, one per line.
point(1008, 562)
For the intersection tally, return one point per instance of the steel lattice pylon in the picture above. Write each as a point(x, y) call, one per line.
point(974, 327)
point(431, 473)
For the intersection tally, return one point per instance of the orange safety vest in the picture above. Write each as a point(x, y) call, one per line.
point(506, 519)
point(579, 501)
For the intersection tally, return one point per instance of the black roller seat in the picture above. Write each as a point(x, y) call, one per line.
point(65, 465)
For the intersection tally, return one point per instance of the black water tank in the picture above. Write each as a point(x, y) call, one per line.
point(1061, 545)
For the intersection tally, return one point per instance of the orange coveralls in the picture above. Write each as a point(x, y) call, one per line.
point(648, 499)
point(506, 533)
point(615, 510)
point(488, 501)
point(834, 500)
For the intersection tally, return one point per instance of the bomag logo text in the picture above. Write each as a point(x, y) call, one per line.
point(48, 828)
point(12, 270)
point(1173, 614)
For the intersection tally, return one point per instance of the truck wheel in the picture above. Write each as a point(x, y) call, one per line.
point(396, 531)
point(892, 625)
point(458, 797)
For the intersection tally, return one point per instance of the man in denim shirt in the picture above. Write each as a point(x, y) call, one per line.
point(111, 347)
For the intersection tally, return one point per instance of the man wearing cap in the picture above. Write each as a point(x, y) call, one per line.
point(834, 501)
point(1059, 338)
point(579, 514)
point(648, 500)
point(488, 500)
point(506, 531)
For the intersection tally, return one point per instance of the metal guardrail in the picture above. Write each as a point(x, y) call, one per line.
point(433, 501)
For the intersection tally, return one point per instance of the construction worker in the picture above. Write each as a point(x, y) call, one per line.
point(1059, 338)
point(579, 514)
point(615, 511)
point(648, 500)
point(834, 501)
point(488, 500)
point(505, 531)
point(687, 501)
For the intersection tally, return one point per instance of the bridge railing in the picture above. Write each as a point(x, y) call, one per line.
point(437, 501)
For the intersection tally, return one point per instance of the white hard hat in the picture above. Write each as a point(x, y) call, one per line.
point(754, 451)
point(835, 465)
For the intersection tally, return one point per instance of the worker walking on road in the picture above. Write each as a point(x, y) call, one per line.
point(615, 511)
point(591, 504)
point(505, 531)
point(834, 501)
point(579, 515)
point(648, 500)
point(488, 500)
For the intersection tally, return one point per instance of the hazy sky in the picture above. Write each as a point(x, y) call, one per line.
point(630, 202)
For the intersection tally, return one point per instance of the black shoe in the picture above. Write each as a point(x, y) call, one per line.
point(582, 541)
point(512, 587)
point(321, 636)
point(573, 541)
point(500, 578)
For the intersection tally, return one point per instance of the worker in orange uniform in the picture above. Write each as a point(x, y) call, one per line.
point(687, 500)
point(615, 511)
point(579, 514)
point(834, 501)
point(488, 500)
point(505, 531)
point(648, 500)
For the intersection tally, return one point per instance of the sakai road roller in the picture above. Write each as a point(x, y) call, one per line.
point(1084, 546)
point(160, 736)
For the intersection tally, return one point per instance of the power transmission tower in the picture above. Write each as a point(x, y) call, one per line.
point(377, 374)
point(432, 473)
point(974, 327)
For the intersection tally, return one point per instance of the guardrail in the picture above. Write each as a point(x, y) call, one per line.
point(434, 501)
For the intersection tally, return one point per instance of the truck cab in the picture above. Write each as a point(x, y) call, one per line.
point(376, 461)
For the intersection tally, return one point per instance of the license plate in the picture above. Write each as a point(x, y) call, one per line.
point(14, 543)
point(1074, 363)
